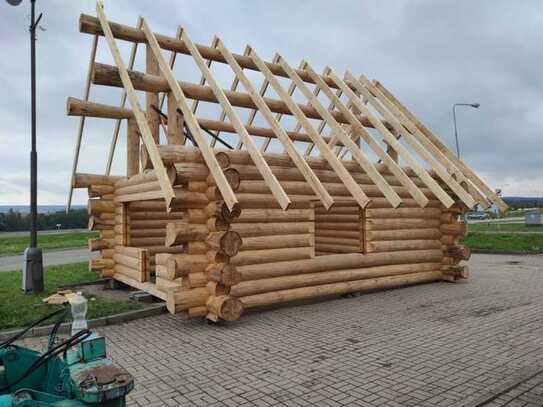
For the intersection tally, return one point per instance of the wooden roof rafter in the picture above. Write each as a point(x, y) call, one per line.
point(413, 142)
point(270, 179)
point(359, 131)
point(359, 157)
point(448, 179)
point(431, 183)
point(413, 130)
point(139, 114)
point(360, 197)
point(191, 122)
point(287, 143)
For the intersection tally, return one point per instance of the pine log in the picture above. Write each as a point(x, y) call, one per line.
point(81, 180)
point(276, 242)
point(99, 244)
point(182, 232)
point(326, 277)
point(274, 215)
point(194, 280)
point(149, 224)
point(267, 229)
point(146, 241)
point(282, 296)
point(219, 209)
point(420, 213)
point(132, 262)
point(218, 289)
point(224, 307)
point(155, 215)
point(391, 224)
point(337, 218)
point(180, 265)
point(271, 255)
point(337, 241)
point(134, 252)
point(449, 240)
point(148, 233)
point(338, 248)
point(400, 245)
point(185, 299)
point(344, 234)
point(98, 190)
point(228, 242)
point(353, 227)
point(460, 252)
point(456, 229)
point(223, 273)
point(276, 268)
point(98, 206)
point(403, 234)
point(100, 264)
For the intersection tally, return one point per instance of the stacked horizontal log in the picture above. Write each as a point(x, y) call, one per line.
point(278, 282)
point(101, 209)
point(452, 229)
point(339, 230)
point(401, 229)
point(211, 262)
point(131, 262)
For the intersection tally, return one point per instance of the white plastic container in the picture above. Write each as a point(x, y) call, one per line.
point(79, 307)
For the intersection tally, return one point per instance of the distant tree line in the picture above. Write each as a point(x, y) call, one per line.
point(13, 221)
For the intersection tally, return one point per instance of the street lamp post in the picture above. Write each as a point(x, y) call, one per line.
point(33, 259)
point(474, 105)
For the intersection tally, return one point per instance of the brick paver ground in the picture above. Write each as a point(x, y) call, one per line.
point(439, 344)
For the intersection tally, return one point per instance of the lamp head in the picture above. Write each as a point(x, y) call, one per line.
point(14, 2)
point(475, 105)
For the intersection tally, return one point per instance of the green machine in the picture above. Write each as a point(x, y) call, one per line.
point(73, 372)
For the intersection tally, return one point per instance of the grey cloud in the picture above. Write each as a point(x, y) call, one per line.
point(430, 54)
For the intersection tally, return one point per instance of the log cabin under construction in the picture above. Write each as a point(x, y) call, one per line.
point(357, 195)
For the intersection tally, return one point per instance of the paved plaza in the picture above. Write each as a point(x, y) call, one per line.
point(475, 343)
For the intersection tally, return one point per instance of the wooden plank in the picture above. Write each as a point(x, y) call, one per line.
point(417, 146)
point(396, 170)
point(139, 115)
point(287, 143)
point(360, 158)
point(468, 172)
point(207, 152)
point(94, 46)
point(440, 157)
point(117, 127)
point(257, 158)
point(355, 190)
point(445, 199)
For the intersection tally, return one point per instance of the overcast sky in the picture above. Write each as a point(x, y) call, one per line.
point(430, 54)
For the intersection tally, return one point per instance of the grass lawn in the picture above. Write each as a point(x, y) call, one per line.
point(507, 227)
point(505, 242)
point(17, 244)
point(19, 310)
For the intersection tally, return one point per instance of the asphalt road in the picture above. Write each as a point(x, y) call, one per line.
point(42, 232)
point(50, 258)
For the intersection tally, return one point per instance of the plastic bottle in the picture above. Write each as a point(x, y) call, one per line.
point(79, 313)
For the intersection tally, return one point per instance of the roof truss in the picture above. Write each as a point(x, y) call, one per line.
point(347, 119)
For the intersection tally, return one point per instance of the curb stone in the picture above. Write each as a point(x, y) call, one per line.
point(93, 323)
